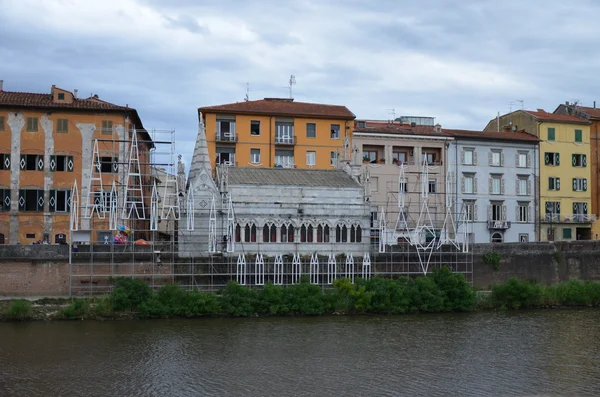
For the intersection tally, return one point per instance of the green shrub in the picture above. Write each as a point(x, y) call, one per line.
point(516, 294)
point(493, 259)
point(201, 304)
point(304, 298)
point(129, 294)
point(238, 301)
point(458, 294)
point(79, 308)
point(104, 306)
point(272, 300)
point(20, 309)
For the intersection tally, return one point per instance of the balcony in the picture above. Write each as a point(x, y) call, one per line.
point(498, 225)
point(580, 218)
point(285, 140)
point(551, 218)
point(225, 137)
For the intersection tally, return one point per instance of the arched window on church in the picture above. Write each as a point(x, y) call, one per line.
point(338, 234)
point(273, 233)
point(303, 234)
point(326, 234)
point(355, 234)
point(247, 234)
point(269, 233)
point(309, 234)
point(344, 234)
point(287, 234)
point(253, 233)
point(238, 233)
point(320, 234)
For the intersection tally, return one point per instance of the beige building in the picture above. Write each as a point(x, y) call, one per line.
point(383, 147)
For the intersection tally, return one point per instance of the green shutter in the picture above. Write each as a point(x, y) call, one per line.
point(584, 160)
point(578, 136)
point(52, 202)
point(557, 184)
point(585, 185)
point(5, 196)
point(557, 158)
point(39, 163)
point(40, 201)
point(585, 208)
point(574, 184)
point(5, 161)
point(52, 163)
point(21, 199)
point(551, 134)
point(567, 233)
point(23, 162)
point(546, 158)
point(68, 200)
point(70, 163)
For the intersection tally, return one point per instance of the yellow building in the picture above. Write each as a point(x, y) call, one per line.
point(275, 132)
point(564, 182)
point(46, 144)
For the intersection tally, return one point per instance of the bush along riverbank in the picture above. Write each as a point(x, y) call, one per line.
point(441, 291)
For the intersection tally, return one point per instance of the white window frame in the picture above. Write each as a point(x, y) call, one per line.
point(523, 184)
point(254, 156)
point(522, 212)
point(522, 160)
point(499, 182)
point(498, 154)
point(311, 158)
point(471, 152)
point(470, 178)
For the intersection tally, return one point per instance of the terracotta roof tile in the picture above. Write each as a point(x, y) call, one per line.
point(384, 127)
point(559, 118)
point(592, 112)
point(34, 100)
point(499, 136)
point(282, 107)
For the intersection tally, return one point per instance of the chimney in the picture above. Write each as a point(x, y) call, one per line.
point(2, 82)
point(1, 90)
point(437, 128)
point(75, 93)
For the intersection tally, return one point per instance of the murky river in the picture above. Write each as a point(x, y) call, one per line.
point(480, 354)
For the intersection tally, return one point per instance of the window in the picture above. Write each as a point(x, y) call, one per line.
point(469, 184)
point(361, 124)
point(250, 233)
point(311, 130)
point(567, 235)
point(284, 132)
point(551, 158)
point(255, 127)
point(333, 159)
point(1, 123)
point(306, 234)
point(59, 200)
point(551, 134)
point(238, 233)
point(496, 183)
point(469, 210)
point(30, 235)
point(523, 212)
point(61, 163)
point(522, 160)
point(432, 186)
point(284, 158)
point(4, 161)
point(497, 237)
point(578, 136)
point(287, 234)
point(374, 183)
point(523, 186)
point(62, 125)
point(226, 155)
point(269, 234)
point(109, 164)
point(429, 158)
point(311, 158)
point(579, 184)
point(370, 156)
point(226, 130)
point(60, 238)
point(579, 160)
point(322, 234)
point(61, 96)
point(5, 197)
point(580, 211)
point(403, 186)
point(32, 124)
point(32, 162)
point(552, 211)
point(31, 200)
point(335, 131)
point(553, 183)
point(496, 158)
point(497, 212)
point(255, 156)
point(341, 234)
point(399, 157)
point(523, 237)
point(468, 157)
point(355, 234)
point(107, 127)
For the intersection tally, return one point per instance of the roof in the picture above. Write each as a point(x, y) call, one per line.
point(386, 127)
point(282, 107)
point(28, 99)
point(291, 177)
point(520, 136)
point(557, 118)
point(592, 112)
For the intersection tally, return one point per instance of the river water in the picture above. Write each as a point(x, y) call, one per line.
point(554, 352)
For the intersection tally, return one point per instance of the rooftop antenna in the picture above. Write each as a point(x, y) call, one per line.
point(517, 101)
point(247, 97)
point(292, 82)
point(392, 112)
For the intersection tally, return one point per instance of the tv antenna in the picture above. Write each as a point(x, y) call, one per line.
point(247, 97)
point(393, 113)
point(292, 82)
point(512, 103)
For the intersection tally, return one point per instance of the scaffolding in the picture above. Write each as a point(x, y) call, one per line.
point(146, 194)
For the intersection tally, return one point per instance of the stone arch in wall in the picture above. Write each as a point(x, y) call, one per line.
point(497, 237)
point(269, 232)
point(287, 230)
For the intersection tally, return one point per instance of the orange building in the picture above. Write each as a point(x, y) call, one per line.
point(274, 132)
point(46, 144)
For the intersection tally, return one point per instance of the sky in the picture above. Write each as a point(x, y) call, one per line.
point(460, 61)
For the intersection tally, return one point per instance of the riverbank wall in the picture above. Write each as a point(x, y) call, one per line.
point(43, 270)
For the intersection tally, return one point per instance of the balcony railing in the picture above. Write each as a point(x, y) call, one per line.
point(498, 225)
point(226, 137)
point(285, 140)
point(580, 218)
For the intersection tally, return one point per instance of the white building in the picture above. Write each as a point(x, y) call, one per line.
point(272, 211)
point(496, 184)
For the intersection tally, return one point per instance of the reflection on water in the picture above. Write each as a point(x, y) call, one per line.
point(480, 354)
